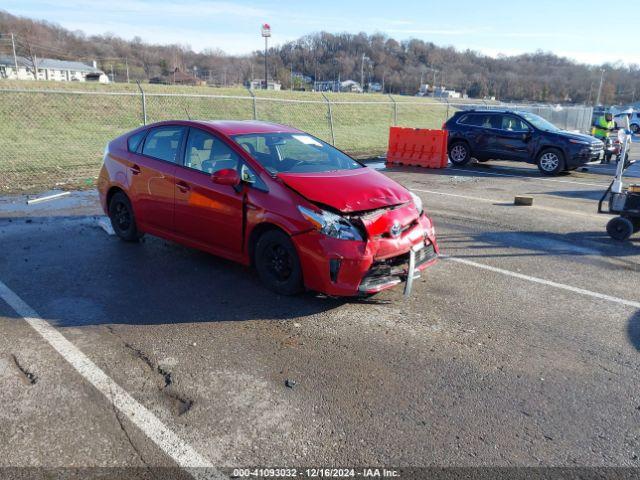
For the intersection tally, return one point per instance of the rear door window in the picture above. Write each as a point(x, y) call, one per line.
point(164, 143)
point(512, 123)
point(208, 153)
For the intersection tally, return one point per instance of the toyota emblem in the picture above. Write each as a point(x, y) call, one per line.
point(395, 229)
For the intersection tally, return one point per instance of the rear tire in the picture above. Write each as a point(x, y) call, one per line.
point(620, 228)
point(277, 263)
point(459, 153)
point(122, 218)
point(550, 162)
point(635, 128)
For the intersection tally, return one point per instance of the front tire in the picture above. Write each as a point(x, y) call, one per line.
point(122, 218)
point(459, 154)
point(620, 228)
point(277, 263)
point(550, 162)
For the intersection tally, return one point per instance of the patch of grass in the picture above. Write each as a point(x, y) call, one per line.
point(53, 135)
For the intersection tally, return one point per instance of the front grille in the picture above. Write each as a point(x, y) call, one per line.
point(394, 270)
point(399, 265)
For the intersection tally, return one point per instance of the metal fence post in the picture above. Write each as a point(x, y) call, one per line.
point(395, 110)
point(447, 118)
point(144, 103)
point(255, 106)
point(330, 118)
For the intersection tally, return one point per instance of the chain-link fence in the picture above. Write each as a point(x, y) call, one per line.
point(55, 138)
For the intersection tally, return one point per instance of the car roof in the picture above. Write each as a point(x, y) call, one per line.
point(488, 110)
point(234, 127)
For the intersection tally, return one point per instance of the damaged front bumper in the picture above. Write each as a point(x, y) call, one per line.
point(359, 268)
point(385, 274)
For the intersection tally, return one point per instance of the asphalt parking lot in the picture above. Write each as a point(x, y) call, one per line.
point(520, 349)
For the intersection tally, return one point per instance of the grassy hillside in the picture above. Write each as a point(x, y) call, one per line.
point(54, 133)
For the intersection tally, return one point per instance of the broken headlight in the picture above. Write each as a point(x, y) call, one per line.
point(417, 201)
point(330, 224)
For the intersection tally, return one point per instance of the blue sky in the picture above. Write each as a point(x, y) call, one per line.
point(572, 28)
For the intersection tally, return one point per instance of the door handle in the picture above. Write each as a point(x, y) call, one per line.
point(183, 187)
point(135, 169)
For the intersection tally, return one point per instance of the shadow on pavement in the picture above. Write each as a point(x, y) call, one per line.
point(542, 243)
point(73, 274)
point(633, 330)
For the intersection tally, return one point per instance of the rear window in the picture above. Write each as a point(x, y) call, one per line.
point(133, 142)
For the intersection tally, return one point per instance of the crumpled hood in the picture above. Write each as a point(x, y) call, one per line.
point(348, 190)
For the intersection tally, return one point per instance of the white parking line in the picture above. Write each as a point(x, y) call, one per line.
point(592, 216)
point(181, 452)
point(542, 281)
point(540, 179)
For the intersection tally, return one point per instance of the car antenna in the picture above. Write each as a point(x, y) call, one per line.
point(187, 112)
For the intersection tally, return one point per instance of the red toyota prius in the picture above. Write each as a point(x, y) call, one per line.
point(303, 213)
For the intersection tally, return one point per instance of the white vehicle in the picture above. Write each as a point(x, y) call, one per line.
point(634, 121)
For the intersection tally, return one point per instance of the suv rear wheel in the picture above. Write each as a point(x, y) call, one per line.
point(459, 153)
point(635, 128)
point(550, 161)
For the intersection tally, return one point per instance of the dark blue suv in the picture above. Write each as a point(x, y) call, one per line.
point(516, 135)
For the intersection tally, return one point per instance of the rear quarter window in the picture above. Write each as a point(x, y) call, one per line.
point(133, 142)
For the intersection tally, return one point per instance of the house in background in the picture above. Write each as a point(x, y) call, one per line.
point(50, 69)
point(337, 86)
point(258, 84)
point(326, 86)
point(350, 86)
point(178, 77)
point(442, 92)
point(374, 87)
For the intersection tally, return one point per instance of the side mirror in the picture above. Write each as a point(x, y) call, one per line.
point(526, 135)
point(226, 176)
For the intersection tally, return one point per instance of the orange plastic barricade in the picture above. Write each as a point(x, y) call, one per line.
point(417, 147)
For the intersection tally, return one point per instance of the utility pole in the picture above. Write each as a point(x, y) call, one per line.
point(291, 81)
point(364, 57)
point(266, 33)
point(126, 63)
point(15, 59)
point(600, 87)
point(112, 75)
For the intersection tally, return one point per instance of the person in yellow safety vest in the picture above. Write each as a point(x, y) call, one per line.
point(601, 129)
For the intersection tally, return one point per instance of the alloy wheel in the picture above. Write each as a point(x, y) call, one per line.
point(458, 154)
point(549, 162)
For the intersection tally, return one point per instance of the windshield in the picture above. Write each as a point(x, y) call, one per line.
point(294, 152)
point(539, 122)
